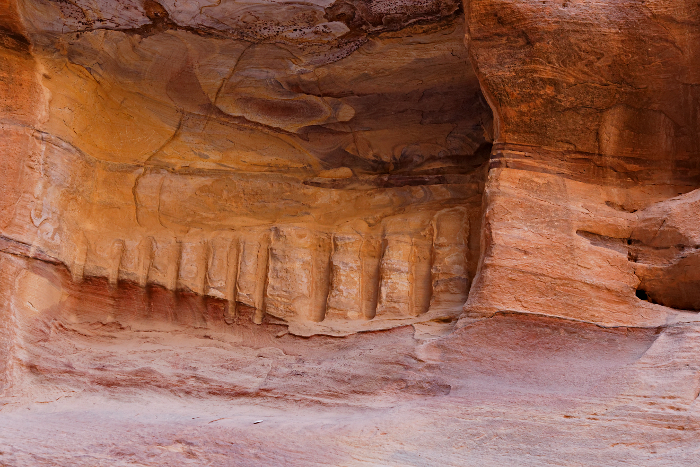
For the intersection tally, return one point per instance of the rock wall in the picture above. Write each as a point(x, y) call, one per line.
point(349, 232)
point(306, 165)
point(328, 163)
point(596, 118)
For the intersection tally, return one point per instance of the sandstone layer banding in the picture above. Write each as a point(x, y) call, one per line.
point(365, 214)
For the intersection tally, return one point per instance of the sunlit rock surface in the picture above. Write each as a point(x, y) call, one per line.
point(230, 150)
point(351, 232)
point(596, 120)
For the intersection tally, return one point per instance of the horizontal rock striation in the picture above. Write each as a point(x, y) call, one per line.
point(377, 232)
point(213, 151)
point(596, 121)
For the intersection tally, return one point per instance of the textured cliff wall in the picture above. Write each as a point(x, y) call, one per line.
point(292, 159)
point(318, 162)
point(492, 208)
point(23, 105)
point(596, 110)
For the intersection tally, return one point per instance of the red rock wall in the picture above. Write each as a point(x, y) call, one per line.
point(596, 121)
point(22, 106)
point(214, 211)
point(597, 111)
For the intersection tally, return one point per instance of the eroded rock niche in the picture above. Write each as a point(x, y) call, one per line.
point(318, 164)
point(335, 165)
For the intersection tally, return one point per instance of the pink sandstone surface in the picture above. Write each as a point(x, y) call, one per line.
point(349, 232)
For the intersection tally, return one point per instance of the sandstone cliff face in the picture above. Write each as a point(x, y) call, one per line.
point(291, 164)
point(195, 194)
point(596, 121)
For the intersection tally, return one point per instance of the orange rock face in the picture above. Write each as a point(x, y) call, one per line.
point(212, 152)
point(374, 232)
point(596, 117)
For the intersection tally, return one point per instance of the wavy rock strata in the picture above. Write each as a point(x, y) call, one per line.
point(195, 195)
point(596, 121)
point(257, 161)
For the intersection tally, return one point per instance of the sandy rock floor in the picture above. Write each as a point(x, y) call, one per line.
point(510, 390)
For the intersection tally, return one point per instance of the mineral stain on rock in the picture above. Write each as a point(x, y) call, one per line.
point(367, 232)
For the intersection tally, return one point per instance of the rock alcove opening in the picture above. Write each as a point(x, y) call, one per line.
point(317, 166)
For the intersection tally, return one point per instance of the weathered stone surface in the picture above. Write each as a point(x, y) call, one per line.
point(163, 379)
point(595, 109)
point(171, 128)
point(317, 233)
point(665, 246)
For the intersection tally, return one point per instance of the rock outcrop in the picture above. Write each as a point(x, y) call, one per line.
point(291, 165)
point(479, 220)
point(664, 245)
point(596, 120)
